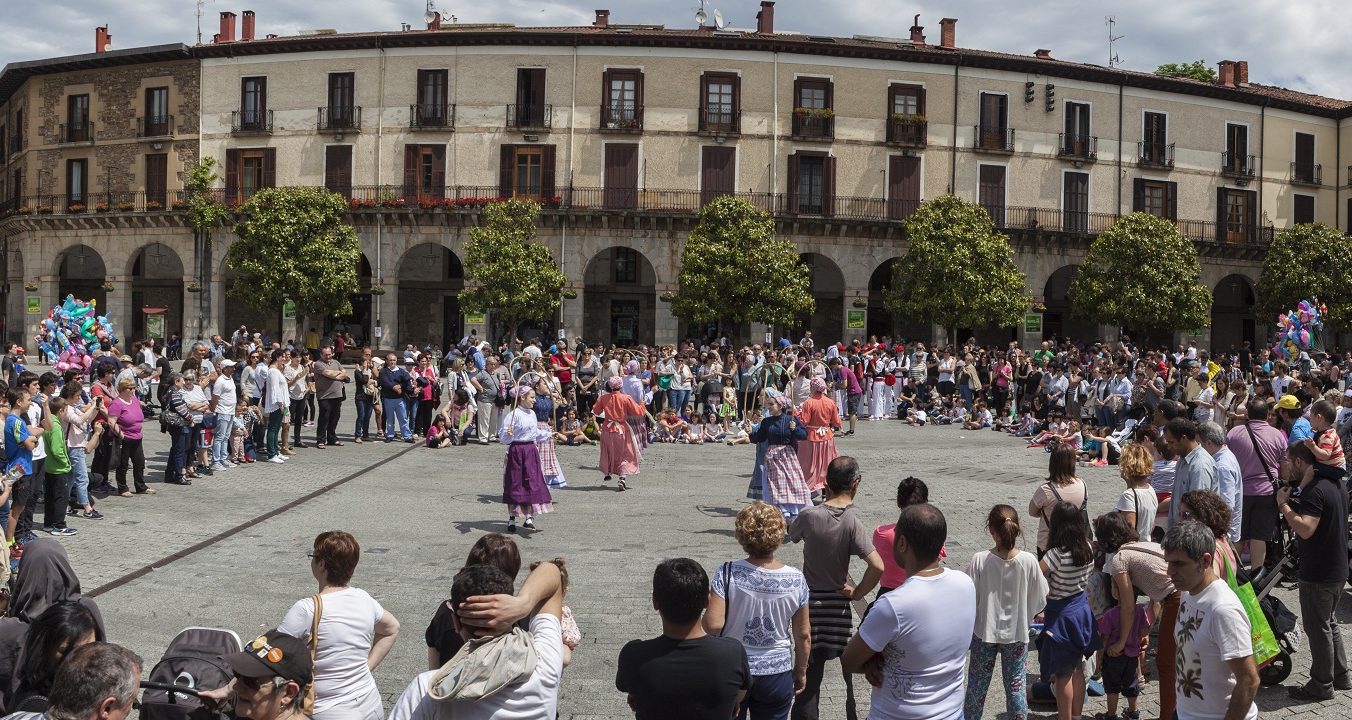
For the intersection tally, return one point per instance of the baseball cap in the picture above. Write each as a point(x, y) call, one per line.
point(1288, 402)
point(126, 358)
point(410, 361)
point(227, 363)
point(273, 654)
point(1347, 392)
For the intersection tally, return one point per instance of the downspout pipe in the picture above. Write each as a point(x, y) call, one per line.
point(953, 147)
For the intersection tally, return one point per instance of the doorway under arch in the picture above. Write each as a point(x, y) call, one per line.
point(430, 280)
point(619, 298)
point(1233, 317)
point(156, 282)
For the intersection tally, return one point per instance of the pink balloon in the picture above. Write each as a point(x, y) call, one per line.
point(88, 361)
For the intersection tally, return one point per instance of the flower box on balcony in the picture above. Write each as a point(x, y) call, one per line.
point(393, 203)
point(126, 207)
point(360, 204)
point(44, 209)
point(178, 206)
point(75, 208)
point(820, 113)
point(153, 206)
point(102, 208)
point(24, 210)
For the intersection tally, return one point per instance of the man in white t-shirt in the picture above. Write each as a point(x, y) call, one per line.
point(1217, 677)
point(913, 644)
point(223, 401)
point(492, 680)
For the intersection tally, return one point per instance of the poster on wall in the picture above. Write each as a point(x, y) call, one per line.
point(1032, 323)
point(856, 319)
point(288, 309)
point(475, 318)
point(34, 304)
point(155, 318)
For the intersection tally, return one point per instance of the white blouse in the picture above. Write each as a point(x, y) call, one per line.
point(1009, 593)
point(520, 426)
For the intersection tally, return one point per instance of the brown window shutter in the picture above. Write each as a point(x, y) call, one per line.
point(1221, 217)
point(537, 86)
point(506, 161)
point(829, 184)
point(270, 167)
point(262, 97)
point(547, 171)
point(793, 183)
point(410, 172)
point(438, 188)
point(1172, 194)
point(1138, 195)
point(830, 93)
point(797, 92)
point(1251, 215)
point(231, 173)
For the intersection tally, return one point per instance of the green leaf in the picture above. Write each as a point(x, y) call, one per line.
point(507, 271)
point(1304, 261)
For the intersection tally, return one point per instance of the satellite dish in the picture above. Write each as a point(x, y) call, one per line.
point(430, 17)
point(700, 17)
point(718, 19)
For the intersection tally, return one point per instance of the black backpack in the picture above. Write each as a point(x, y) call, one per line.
point(192, 661)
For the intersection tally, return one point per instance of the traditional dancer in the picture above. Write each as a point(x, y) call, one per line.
point(619, 446)
point(523, 484)
point(822, 419)
point(632, 384)
point(783, 486)
point(544, 416)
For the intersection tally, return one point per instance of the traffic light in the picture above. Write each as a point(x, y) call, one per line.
point(1051, 97)
point(1028, 91)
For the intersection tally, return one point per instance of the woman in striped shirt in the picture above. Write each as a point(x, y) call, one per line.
point(1069, 634)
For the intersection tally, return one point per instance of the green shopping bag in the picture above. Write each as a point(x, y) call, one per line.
point(1265, 647)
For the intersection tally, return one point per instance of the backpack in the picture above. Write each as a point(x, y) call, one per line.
point(1084, 506)
point(192, 661)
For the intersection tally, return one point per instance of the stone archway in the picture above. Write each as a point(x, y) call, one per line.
point(81, 272)
point(827, 323)
point(1058, 319)
point(156, 282)
point(430, 279)
point(619, 298)
point(358, 322)
point(1233, 317)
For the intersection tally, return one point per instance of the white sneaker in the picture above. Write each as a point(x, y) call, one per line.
point(218, 467)
point(229, 464)
point(277, 459)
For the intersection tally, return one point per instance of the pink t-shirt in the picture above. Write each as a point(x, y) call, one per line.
point(128, 416)
point(884, 536)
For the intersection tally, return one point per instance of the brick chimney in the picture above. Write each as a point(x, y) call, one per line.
point(917, 31)
point(246, 31)
point(227, 33)
point(1042, 54)
point(436, 21)
point(765, 19)
point(1242, 72)
point(948, 32)
point(1227, 68)
point(602, 19)
point(102, 40)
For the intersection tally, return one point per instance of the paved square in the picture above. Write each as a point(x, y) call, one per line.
point(417, 511)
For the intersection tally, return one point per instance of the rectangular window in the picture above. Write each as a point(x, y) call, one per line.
point(253, 103)
point(526, 171)
point(1155, 197)
point(432, 109)
point(623, 95)
point(906, 115)
point(906, 100)
point(991, 192)
point(1236, 160)
point(157, 178)
point(338, 169)
point(720, 109)
point(621, 175)
point(342, 99)
point(1235, 215)
point(251, 174)
point(1077, 138)
point(903, 186)
point(718, 172)
point(76, 181)
point(77, 118)
point(530, 98)
point(1155, 139)
point(1304, 169)
point(157, 112)
point(993, 133)
point(811, 184)
point(1304, 209)
point(1075, 202)
point(813, 109)
point(248, 171)
point(626, 265)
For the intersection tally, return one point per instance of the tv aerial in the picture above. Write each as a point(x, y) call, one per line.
point(433, 14)
point(718, 19)
point(1113, 59)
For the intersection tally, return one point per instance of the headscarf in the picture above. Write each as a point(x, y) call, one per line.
point(519, 390)
point(818, 385)
point(614, 383)
point(631, 367)
point(776, 397)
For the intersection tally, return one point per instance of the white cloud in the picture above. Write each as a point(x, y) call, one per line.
point(1299, 44)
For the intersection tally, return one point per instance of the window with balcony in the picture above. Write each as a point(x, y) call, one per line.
point(156, 120)
point(1077, 138)
point(342, 113)
point(1304, 169)
point(433, 109)
point(720, 103)
point(1303, 210)
point(338, 169)
point(906, 123)
point(1155, 149)
point(991, 192)
point(622, 92)
point(812, 180)
point(1236, 215)
point(424, 172)
point(248, 171)
point(77, 181)
point(993, 133)
point(527, 171)
point(253, 113)
point(1155, 197)
point(157, 178)
point(530, 111)
point(813, 109)
point(1237, 162)
point(78, 127)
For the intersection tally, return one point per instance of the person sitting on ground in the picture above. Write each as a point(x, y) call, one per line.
point(670, 426)
point(437, 435)
point(981, 417)
point(570, 430)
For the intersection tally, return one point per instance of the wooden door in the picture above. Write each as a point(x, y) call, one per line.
point(157, 178)
point(992, 192)
point(718, 172)
point(621, 175)
point(1075, 202)
point(903, 186)
point(338, 169)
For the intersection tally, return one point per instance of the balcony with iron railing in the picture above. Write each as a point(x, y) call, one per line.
point(622, 117)
point(1237, 166)
point(1307, 173)
point(907, 131)
point(530, 118)
point(339, 119)
point(431, 116)
point(75, 132)
point(1155, 155)
point(720, 120)
point(813, 124)
point(990, 139)
point(155, 126)
point(251, 122)
point(1077, 147)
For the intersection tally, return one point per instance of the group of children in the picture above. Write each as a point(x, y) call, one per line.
point(1096, 446)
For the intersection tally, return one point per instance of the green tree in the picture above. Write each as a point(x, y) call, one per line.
point(204, 213)
point(1197, 70)
point(293, 243)
point(506, 271)
point(734, 270)
point(1143, 274)
point(1312, 260)
point(958, 271)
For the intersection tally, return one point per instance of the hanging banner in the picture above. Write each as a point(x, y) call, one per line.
point(155, 318)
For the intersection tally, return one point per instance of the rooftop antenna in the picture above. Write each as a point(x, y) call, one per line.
point(718, 20)
point(1113, 59)
point(200, 5)
point(700, 16)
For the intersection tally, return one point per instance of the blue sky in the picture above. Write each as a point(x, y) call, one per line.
point(1301, 44)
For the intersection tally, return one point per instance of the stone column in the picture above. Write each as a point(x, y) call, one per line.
point(573, 314)
point(48, 287)
point(666, 328)
point(385, 315)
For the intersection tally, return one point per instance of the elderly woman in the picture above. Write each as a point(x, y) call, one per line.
point(126, 423)
point(763, 603)
point(634, 383)
point(821, 417)
point(619, 446)
point(177, 420)
point(350, 631)
point(783, 485)
point(197, 395)
point(524, 490)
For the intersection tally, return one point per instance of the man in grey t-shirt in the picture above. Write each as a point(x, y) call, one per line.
point(1196, 468)
point(329, 378)
point(487, 390)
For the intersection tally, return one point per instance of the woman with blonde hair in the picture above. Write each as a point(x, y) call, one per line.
point(1138, 502)
point(763, 603)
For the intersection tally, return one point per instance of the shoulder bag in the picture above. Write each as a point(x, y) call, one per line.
point(308, 704)
point(727, 597)
point(1259, 452)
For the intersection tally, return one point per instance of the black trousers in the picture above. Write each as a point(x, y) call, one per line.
point(299, 414)
point(105, 456)
point(326, 427)
point(132, 450)
point(57, 490)
point(35, 483)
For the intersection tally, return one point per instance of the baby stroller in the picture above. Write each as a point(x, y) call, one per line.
point(1280, 618)
point(191, 663)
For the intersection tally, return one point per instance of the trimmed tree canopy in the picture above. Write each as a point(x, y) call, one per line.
point(507, 271)
point(734, 269)
point(1143, 274)
point(1312, 260)
point(293, 243)
point(958, 271)
point(1197, 70)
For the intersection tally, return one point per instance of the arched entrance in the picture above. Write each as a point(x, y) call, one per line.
point(619, 304)
point(1058, 319)
point(81, 272)
point(157, 283)
point(880, 321)
point(15, 318)
point(828, 289)
point(239, 312)
point(358, 322)
point(1233, 321)
point(430, 280)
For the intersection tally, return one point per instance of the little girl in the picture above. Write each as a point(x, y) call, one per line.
point(981, 417)
point(727, 411)
point(572, 635)
point(713, 429)
point(239, 430)
point(570, 430)
point(694, 431)
point(437, 435)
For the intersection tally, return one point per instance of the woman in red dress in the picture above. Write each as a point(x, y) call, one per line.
point(619, 446)
point(822, 419)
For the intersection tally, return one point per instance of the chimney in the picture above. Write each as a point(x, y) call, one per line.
point(227, 33)
point(1227, 73)
point(602, 19)
point(765, 19)
point(1242, 73)
point(947, 32)
point(246, 31)
point(1042, 54)
point(435, 23)
point(917, 32)
point(102, 40)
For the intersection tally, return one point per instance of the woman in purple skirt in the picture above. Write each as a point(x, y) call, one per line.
point(523, 484)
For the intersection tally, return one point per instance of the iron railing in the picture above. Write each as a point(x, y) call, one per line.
point(251, 122)
point(720, 119)
point(1155, 155)
point(1236, 165)
point(993, 139)
point(810, 126)
point(622, 117)
point(155, 126)
point(339, 118)
point(76, 132)
point(530, 117)
point(1077, 147)
point(431, 116)
point(907, 132)
point(1307, 173)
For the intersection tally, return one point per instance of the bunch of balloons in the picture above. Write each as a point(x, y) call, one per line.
point(72, 331)
point(1299, 329)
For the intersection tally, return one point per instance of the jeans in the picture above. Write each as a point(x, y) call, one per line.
point(805, 705)
point(326, 427)
point(364, 409)
point(676, 399)
point(1319, 618)
point(274, 432)
point(220, 439)
point(769, 697)
point(396, 418)
point(57, 491)
point(79, 476)
point(298, 416)
point(1013, 670)
point(178, 458)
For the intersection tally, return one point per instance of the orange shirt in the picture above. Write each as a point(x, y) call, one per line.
point(819, 412)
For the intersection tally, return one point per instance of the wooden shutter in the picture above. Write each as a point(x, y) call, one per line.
point(231, 174)
point(506, 167)
point(410, 173)
point(157, 177)
point(797, 93)
point(338, 169)
point(269, 167)
point(1075, 202)
point(1138, 195)
point(438, 189)
point(1171, 195)
point(546, 165)
point(1251, 215)
point(793, 180)
point(903, 186)
point(1305, 152)
point(828, 179)
point(621, 175)
point(537, 91)
point(1222, 217)
point(717, 172)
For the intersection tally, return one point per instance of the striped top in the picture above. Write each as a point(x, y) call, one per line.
point(1064, 578)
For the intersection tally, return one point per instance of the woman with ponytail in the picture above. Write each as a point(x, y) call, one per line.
point(1010, 591)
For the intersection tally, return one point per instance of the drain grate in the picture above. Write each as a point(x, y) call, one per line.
point(986, 475)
